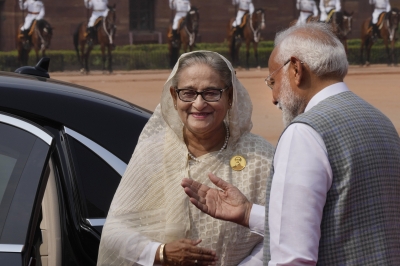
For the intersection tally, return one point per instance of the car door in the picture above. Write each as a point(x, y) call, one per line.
point(25, 149)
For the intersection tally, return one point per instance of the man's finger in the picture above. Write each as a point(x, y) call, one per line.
point(219, 182)
point(195, 186)
point(194, 195)
point(200, 206)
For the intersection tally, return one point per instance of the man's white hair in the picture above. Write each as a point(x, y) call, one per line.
point(316, 45)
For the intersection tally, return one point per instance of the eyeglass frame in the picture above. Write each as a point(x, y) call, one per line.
point(268, 78)
point(201, 93)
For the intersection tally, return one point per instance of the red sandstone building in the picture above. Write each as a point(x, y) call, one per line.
point(146, 21)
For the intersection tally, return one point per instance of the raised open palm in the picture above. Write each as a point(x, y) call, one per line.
point(226, 203)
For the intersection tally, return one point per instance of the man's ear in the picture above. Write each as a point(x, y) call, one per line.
point(173, 94)
point(298, 70)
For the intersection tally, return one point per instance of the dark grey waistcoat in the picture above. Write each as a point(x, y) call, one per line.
point(361, 217)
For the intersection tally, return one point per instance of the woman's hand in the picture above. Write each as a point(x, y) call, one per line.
point(186, 252)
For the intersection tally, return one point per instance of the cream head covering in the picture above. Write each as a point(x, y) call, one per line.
point(151, 206)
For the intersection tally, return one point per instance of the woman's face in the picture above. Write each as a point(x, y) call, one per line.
point(201, 117)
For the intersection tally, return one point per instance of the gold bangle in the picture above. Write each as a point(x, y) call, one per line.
point(162, 254)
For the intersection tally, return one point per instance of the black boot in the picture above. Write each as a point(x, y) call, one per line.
point(175, 38)
point(375, 32)
point(26, 40)
point(90, 36)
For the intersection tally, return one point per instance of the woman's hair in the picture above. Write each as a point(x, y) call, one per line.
point(210, 59)
point(316, 45)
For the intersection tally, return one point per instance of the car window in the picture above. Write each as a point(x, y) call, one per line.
point(97, 178)
point(15, 147)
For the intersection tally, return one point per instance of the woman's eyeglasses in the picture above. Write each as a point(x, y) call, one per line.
point(208, 95)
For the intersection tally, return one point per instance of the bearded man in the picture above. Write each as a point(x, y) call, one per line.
point(334, 194)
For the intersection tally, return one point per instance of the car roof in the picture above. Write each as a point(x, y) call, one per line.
point(111, 122)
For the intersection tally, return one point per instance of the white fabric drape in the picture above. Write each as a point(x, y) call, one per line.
point(150, 205)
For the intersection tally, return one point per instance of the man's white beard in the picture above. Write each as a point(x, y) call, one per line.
point(290, 103)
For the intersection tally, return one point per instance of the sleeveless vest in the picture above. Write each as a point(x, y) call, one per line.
point(361, 218)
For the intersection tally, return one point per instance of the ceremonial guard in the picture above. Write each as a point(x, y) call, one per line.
point(181, 8)
point(379, 7)
point(99, 9)
point(35, 12)
point(244, 6)
point(307, 8)
point(328, 6)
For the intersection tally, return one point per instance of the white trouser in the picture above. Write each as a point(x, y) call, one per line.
point(178, 16)
point(376, 13)
point(28, 21)
point(239, 17)
point(303, 18)
point(324, 15)
point(96, 15)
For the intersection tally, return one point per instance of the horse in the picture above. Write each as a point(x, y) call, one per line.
point(40, 35)
point(188, 29)
point(105, 35)
point(342, 22)
point(387, 30)
point(251, 34)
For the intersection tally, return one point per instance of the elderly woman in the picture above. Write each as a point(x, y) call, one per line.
point(202, 125)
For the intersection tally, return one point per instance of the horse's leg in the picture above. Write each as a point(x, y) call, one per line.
point(82, 59)
point(255, 47)
point(88, 50)
point(103, 56)
point(247, 54)
point(369, 44)
point(386, 42)
point(109, 48)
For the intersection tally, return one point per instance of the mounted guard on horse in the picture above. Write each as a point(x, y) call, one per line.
point(35, 32)
point(100, 30)
point(383, 24)
point(308, 11)
point(35, 10)
point(246, 27)
point(341, 21)
point(186, 24)
point(181, 7)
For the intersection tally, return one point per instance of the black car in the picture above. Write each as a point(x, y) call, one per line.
point(63, 150)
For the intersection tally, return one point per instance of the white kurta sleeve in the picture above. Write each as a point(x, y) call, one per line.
point(255, 258)
point(301, 180)
point(148, 254)
point(298, 4)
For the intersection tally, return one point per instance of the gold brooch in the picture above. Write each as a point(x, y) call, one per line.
point(238, 163)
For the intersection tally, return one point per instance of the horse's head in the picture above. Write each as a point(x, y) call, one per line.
point(347, 22)
point(192, 18)
point(393, 17)
point(258, 19)
point(110, 20)
point(46, 32)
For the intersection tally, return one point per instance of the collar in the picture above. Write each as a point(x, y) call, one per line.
point(325, 93)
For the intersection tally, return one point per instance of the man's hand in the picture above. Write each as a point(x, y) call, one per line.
point(228, 204)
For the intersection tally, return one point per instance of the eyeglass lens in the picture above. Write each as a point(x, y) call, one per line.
point(211, 95)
